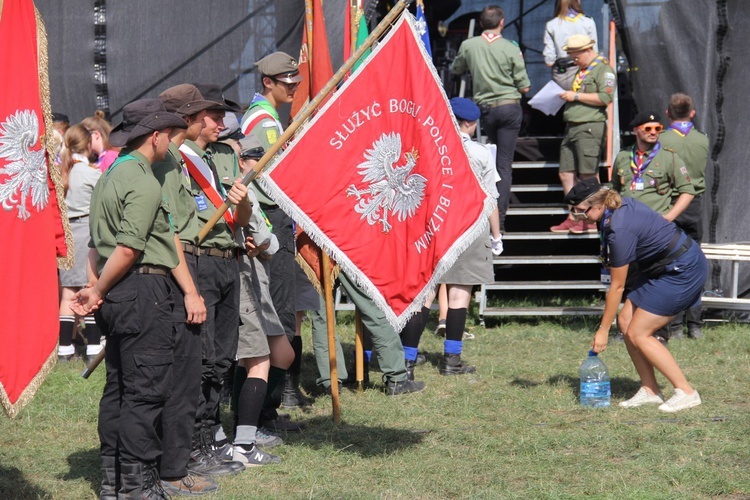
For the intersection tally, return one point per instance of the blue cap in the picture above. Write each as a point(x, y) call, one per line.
point(465, 109)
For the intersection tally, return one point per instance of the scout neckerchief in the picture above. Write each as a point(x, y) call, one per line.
point(263, 110)
point(682, 128)
point(639, 165)
point(204, 176)
point(573, 16)
point(582, 73)
point(491, 37)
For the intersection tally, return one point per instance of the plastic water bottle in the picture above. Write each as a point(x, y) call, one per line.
point(595, 388)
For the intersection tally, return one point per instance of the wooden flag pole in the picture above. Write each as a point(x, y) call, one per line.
point(307, 111)
point(359, 358)
point(325, 279)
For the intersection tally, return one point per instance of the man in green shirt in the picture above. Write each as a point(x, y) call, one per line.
point(651, 173)
point(692, 146)
point(498, 74)
point(280, 77)
point(215, 177)
point(190, 311)
point(133, 247)
point(585, 114)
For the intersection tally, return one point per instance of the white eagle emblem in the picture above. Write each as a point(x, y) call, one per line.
point(26, 169)
point(392, 188)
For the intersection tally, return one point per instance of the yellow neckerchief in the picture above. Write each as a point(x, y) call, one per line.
point(581, 75)
point(572, 19)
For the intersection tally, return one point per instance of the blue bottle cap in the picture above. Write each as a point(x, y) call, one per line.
point(592, 353)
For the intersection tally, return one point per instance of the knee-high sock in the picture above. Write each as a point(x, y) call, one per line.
point(296, 342)
point(455, 322)
point(410, 336)
point(250, 404)
point(67, 325)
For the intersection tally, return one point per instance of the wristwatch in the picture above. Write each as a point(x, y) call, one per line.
point(576, 96)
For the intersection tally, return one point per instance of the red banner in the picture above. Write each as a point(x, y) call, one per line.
point(314, 56)
point(380, 179)
point(28, 222)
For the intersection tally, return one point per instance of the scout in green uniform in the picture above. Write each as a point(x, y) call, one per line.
point(134, 250)
point(585, 114)
point(280, 78)
point(215, 177)
point(498, 79)
point(650, 173)
point(692, 146)
point(190, 311)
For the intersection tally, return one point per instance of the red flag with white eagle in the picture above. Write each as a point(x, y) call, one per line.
point(380, 178)
point(30, 220)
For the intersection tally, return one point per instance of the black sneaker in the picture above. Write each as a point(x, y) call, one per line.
point(205, 463)
point(252, 456)
point(404, 387)
point(694, 332)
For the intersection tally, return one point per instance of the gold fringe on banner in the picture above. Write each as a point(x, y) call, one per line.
point(28, 394)
point(54, 171)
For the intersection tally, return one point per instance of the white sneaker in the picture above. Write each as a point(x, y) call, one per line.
point(641, 398)
point(681, 401)
point(497, 245)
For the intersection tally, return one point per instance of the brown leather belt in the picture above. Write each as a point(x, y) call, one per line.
point(502, 102)
point(147, 269)
point(213, 252)
point(78, 217)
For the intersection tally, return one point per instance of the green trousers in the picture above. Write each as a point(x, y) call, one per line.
point(385, 341)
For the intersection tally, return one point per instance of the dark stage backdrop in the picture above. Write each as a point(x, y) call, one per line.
point(700, 47)
point(137, 48)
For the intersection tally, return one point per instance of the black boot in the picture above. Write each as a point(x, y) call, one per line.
point(110, 478)
point(410, 369)
point(452, 365)
point(204, 462)
point(292, 397)
point(131, 481)
point(152, 488)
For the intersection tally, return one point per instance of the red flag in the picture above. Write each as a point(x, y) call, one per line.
point(28, 222)
point(380, 178)
point(314, 57)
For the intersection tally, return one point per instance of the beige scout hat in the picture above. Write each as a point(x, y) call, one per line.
point(280, 66)
point(578, 43)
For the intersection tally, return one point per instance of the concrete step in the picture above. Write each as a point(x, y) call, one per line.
point(535, 164)
point(537, 209)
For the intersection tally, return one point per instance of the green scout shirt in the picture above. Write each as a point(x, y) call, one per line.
point(221, 235)
point(175, 186)
point(497, 68)
point(600, 81)
point(666, 177)
point(267, 131)
point(693, 149)
point(127, 208)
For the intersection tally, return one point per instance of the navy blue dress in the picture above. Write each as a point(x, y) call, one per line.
point(635, 233)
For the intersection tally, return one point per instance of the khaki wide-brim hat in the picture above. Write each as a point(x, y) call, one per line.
point(578, 43)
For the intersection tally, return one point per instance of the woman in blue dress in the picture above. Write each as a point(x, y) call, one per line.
point(671, 273)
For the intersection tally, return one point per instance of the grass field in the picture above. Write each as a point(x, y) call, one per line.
point(513, 430)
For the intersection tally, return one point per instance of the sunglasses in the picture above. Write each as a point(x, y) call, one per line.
point(580, 214)
point(652, 128)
